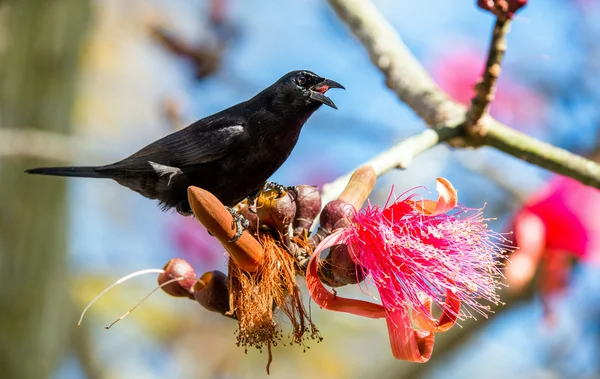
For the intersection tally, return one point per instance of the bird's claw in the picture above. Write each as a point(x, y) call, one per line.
point(281, 189)
point(240, 223)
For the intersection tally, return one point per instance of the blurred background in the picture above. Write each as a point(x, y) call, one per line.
point(89, 82)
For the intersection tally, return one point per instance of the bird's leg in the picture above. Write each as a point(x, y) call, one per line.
point(240, 222)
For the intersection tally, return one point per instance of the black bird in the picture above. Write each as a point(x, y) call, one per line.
point(231, 153)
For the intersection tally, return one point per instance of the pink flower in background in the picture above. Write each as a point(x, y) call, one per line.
point(195, 244)
point(557, 225)
point(458, 71)
point(417, 253)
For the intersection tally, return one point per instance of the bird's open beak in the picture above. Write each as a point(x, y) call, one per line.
point(317, 92)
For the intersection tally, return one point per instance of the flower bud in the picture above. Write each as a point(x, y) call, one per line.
point(248, 211)
point(276, 211)
point(330, 213)
point(308, 205)
point(343, 267)
point(341, 223)
point(177, 268)
point(212, 293)
point(502, 8)
point(333, 212)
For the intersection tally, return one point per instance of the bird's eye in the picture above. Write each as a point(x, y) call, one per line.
point(301, 80)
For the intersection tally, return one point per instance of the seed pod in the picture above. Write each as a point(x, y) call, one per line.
point(333, 212)
point(343, 268)
point(308, 205)
point(212, 293)
point(177, 268)
point(246, 251)
point(276, 211)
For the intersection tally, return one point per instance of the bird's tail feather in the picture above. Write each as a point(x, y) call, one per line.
point(79, 172)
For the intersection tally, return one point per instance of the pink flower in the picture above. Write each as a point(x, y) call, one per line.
point(195, 244)
point(558, 224)
point(457, 71)
point(417, 253)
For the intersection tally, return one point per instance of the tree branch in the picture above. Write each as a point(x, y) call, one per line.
point(404, 75)
point(542, 154)
point(399, 156)
point(475, 125)
point(486, 88)
point(43, 144)
point(407, 78)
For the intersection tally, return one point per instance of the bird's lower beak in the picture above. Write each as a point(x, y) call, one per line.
point(317, 92)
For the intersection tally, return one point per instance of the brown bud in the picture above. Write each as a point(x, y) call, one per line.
point(502, 8)
point(212, 293)
point(315, 239)
point(177, 268)
point(343, 268)
point(341, 223)
point(333, 212)
point(308, 205)
point(276, 211)
point(248, 211)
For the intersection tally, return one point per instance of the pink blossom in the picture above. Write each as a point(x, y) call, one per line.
point(425, 254)
point(556, 225)
point(459, 70)
point(194, 243)
point(418, 252)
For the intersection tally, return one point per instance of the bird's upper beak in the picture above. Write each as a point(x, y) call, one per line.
point(317, 92)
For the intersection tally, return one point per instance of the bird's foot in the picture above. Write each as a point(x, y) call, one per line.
point(240, 223)
point(281, 189)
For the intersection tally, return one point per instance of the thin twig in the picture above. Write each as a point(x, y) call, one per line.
point(486, 88)
point(399, 156)
point(407, 78)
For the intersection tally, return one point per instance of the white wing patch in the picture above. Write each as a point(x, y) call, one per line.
point(236, 128)
point(162, 170)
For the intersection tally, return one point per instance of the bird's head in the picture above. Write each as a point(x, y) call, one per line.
point(305, 89)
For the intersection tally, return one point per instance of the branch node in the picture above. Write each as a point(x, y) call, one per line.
point(407, 78)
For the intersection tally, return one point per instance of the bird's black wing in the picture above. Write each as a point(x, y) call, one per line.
point(205, 141)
